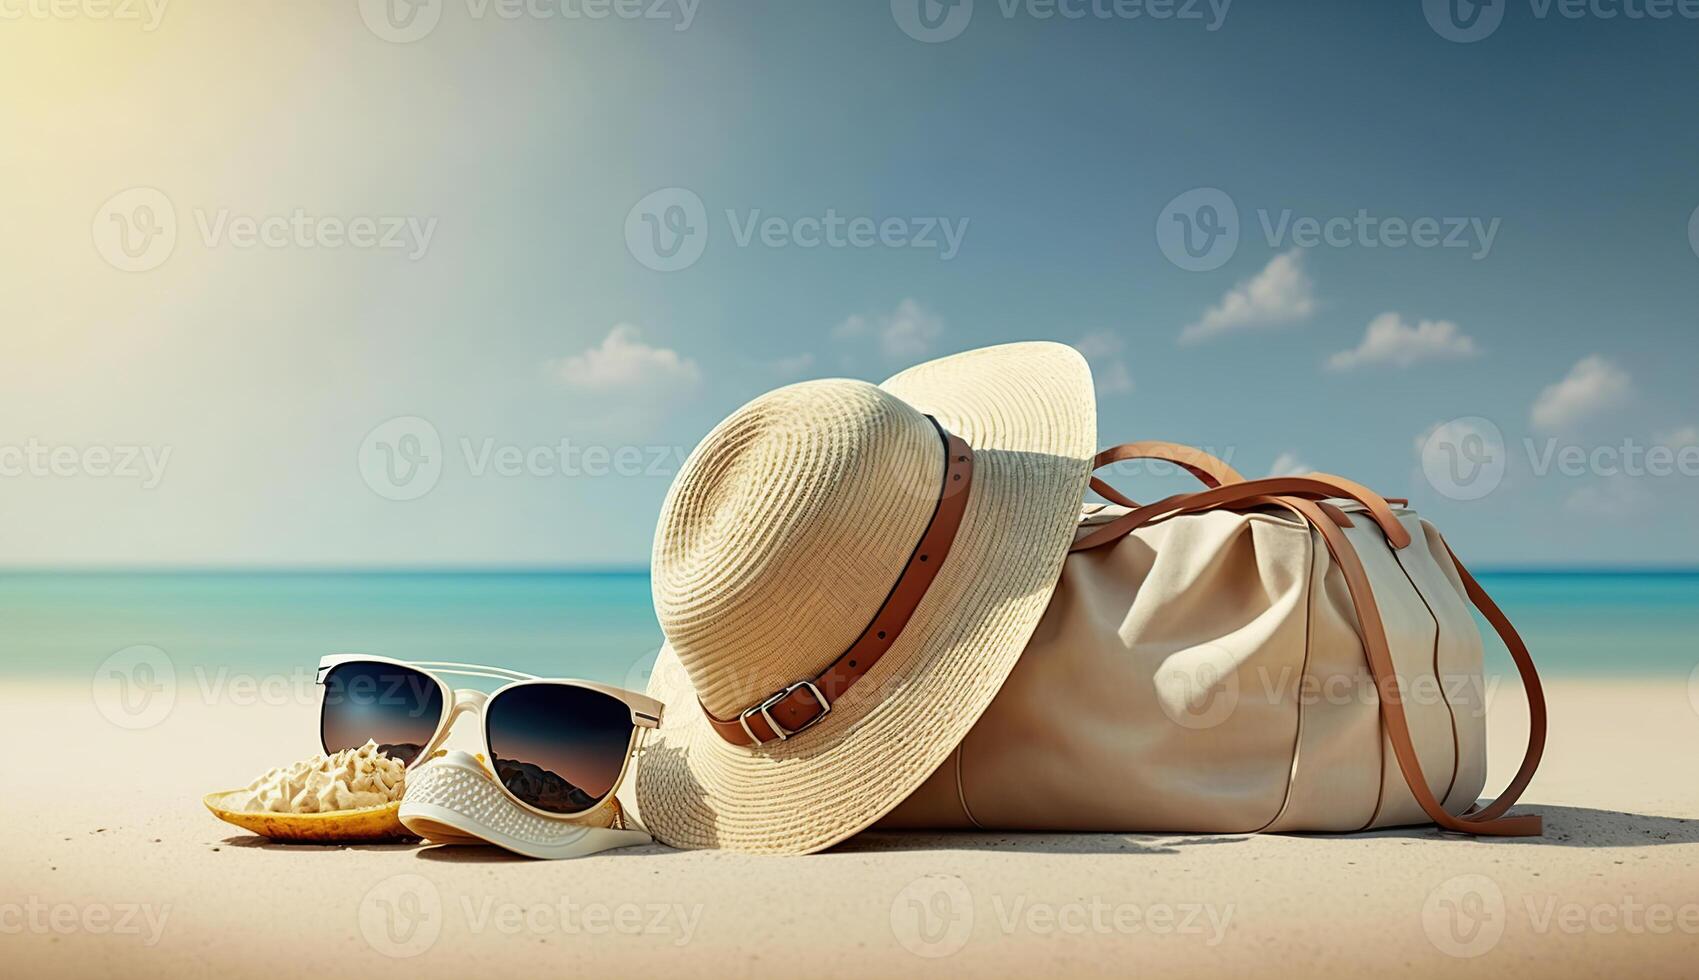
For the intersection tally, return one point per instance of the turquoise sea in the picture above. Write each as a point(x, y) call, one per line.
point(599, 625)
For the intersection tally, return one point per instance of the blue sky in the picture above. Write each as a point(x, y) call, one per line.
point(451, 231)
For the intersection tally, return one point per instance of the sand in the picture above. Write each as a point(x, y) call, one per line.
point(110, 865)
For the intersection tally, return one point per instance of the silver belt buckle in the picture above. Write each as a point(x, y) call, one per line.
point(765, 709)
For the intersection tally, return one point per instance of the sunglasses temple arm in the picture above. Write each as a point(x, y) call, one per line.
point(473, 670)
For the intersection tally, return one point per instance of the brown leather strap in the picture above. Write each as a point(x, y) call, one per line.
point(1211, 472)
point(1372, 630)
point(1305, 496)
point(1530, 685)
point(1316, 486)
point(801, 705)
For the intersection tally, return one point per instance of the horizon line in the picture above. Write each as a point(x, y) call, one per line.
point(588, 569)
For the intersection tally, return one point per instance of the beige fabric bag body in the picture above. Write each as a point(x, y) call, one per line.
point(1291, 654)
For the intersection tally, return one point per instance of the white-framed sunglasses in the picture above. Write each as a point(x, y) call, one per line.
point(557, 747)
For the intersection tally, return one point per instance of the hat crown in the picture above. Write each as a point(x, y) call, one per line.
point(786, 530)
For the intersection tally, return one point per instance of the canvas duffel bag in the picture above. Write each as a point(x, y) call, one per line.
point(1286, 654)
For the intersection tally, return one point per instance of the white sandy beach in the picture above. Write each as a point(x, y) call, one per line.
point(112, 866)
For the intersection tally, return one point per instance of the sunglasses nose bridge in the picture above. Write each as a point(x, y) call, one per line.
point(467, 701)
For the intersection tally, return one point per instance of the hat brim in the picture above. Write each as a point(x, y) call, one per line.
point(1029, 412)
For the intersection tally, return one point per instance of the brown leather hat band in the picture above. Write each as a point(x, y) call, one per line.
point(798, 707)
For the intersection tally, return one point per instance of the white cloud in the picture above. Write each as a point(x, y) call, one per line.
point(907, 333)
point(1280, 293)
point(1099, 343)
point(1616, 498)
point(1114, 379)
point(1288, 464)
point(1102, 349)
point(1593, 385)
point(1426, 434)
point(1390, 339)
point(622, 360)
point(1687, 435)
point(793, 365)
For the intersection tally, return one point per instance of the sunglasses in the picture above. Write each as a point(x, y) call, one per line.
point(557, 747)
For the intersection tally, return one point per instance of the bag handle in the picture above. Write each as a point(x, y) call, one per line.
point(1530, 684)
point(1315, 487)
point(1209, 470)
point(1491, 821)
point(1306, 496)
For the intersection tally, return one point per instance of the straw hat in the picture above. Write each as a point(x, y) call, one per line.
point(792, 527)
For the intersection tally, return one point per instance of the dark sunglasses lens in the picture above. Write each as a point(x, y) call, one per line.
point(558, 748)
point(396, 707)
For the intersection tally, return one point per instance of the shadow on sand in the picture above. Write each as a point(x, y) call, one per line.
point(1565, 826)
